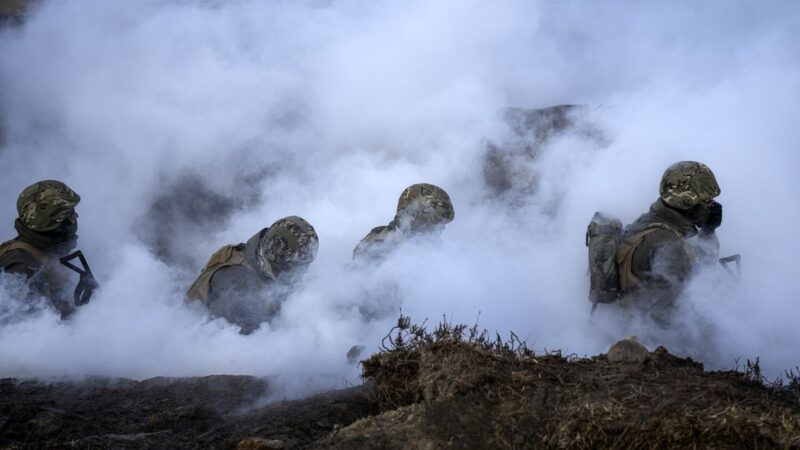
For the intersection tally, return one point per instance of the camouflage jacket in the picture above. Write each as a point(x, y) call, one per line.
point(658, 253)
point(378, 242)
point(232, 287)
point(35, 256)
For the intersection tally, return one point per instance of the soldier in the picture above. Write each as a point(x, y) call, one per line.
point(247, 283)
point(422, 209)
point(47, 229)
point(659, 251)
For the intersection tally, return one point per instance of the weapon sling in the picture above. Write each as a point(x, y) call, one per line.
point(86, 283)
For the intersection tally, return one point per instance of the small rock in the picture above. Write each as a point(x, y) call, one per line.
point(628, 350)
point(260, 444)
point(354, 353)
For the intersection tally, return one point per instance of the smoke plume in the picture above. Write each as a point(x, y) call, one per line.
point(187, 124)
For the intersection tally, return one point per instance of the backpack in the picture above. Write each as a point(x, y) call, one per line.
point(603, 236)
point(229, 255)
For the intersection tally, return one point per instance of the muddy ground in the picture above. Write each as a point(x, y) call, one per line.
point(446, 390)
point(183, 413)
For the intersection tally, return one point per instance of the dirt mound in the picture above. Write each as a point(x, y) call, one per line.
point(446, 390)
point(452, 387)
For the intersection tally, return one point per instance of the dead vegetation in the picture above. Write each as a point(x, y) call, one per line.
point(451, 387)
point(455, 387)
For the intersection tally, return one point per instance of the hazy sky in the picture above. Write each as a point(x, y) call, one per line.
point(187, 125)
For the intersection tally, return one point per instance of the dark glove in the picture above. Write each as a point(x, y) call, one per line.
point(714, 217)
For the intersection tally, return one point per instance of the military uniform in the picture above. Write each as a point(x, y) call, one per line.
point(247, 283)
point(659, 250)
point(46, 232)
point(421, 209)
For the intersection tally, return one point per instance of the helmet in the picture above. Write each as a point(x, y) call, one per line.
point(288, 243)
point(688, 183)
point(425, 204)
point(44, 205)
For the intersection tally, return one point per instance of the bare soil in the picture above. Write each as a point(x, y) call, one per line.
point(183, 413)
point(448, 389)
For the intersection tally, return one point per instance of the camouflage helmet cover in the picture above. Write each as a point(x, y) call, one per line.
point(688, 183)
point(289, 242)
point(426, 203)
point(44, 205)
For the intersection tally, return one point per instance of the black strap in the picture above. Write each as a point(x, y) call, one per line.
point(732, 259)
point(86, 283)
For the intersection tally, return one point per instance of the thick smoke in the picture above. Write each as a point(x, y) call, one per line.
point(186, 125)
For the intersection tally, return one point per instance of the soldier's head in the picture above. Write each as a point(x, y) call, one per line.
point(48, 206)
point(690, 187)
point(688, 183)
point(424, 207)
point(289, 245)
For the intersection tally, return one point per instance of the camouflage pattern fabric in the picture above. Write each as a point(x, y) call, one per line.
point(688, 183)
point(247, 283)
point(44, 275)
point(290, 242)
point(42, 206)
point(425, 204)
point(422, 207)
point(655, 260)
point(378, 242)
point(227, 256)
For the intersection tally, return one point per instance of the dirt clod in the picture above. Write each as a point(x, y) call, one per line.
point(628, 350)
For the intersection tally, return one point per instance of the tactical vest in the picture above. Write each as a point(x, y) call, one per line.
point(229, 255)
point(56, 277)
point(378, 242)
point(627, 280)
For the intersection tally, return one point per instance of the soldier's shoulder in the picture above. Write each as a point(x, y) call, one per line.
point(377, 233)
point(15, 259)
point(233, 276)
point(373, 244)
point(659, 236)
point(662, 241)
point(663, 235)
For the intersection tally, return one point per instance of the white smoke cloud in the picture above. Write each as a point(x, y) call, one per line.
point(229, 115)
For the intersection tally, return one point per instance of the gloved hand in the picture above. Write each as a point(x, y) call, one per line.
point(714, 217)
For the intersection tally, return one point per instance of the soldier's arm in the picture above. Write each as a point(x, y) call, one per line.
point(241, 297)
point(21, 262)
point(663, 264)
point(662, 259)
point(706, 245)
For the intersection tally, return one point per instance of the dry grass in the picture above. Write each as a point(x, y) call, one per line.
point(460, 376)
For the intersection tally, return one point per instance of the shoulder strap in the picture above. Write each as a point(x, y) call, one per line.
point(627, 280)
point(229, 255)
point(37, 254)
point(57, 276)
point(624, 257)
point(40, 256)
point(378, 234)
point(372, 244)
